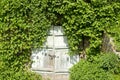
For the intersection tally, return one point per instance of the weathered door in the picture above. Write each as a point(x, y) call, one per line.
point(53, 57)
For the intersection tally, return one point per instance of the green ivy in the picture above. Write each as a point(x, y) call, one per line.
point(24, 25)
point(100, 67)
point(81, 20)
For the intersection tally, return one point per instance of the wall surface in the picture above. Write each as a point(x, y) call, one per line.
point(108, 44)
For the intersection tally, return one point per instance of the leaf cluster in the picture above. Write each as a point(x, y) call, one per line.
point(83, 19)
point(24, 25)
point(101, 67)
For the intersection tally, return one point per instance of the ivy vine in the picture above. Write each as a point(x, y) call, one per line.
point(24, 25)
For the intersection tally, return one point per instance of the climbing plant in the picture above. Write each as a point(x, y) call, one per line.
point(83, 19)
point(100, 67)
point(88, 20)
point(24, 25)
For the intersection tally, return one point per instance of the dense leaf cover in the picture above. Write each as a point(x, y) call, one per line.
point(22, 28)
point(101, 67)
point(90, 20)
point(24, 25)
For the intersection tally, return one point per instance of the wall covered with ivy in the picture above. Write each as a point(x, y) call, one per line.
point(24, 25)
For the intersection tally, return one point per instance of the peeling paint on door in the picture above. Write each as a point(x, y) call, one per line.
point(53, 60)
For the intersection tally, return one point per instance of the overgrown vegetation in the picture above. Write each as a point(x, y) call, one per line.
point(89, 20)
point(115, 34)
point(24, 25)
point(101, 67)
point(22, 28)
point(10, 74)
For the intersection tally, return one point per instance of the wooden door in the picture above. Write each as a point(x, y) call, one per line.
point(53, 57)
point(42, 60)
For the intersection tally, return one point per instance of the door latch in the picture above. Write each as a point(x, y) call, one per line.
point(52, 56)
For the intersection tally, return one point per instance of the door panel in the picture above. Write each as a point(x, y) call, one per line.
point(60, 42)
point(53, 57)
point(50, 40)
point(37, 58)
point(62, 60)
point(42, 60)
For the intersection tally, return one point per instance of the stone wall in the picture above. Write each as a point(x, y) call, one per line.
point(108, 45)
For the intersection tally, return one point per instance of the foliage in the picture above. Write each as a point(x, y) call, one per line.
point(108, 62)
point(24, 25)
point(10, 74)
point(115, 34)
point(101, 67)
point(116, 77)
point(87, 71)
point(83, 19)
point(89, 20)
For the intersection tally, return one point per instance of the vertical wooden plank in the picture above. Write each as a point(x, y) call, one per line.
point(60, 42)
point(50, 42)
point(42, 60)
point(49, 60)
point(62, 60)
point(37, 58)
